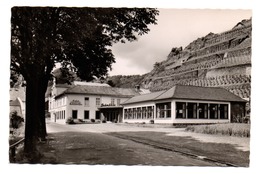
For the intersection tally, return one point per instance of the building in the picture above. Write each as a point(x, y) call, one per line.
point(185, 104)
point(88, 101)
point(17, 101)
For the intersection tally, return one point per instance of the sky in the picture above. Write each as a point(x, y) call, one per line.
point(175, 28)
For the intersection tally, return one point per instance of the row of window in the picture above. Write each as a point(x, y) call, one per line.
point(98, 101)
point(139, 113)
point(60, 115)
point(86, 114)
point(58, 103)
point(184, 110)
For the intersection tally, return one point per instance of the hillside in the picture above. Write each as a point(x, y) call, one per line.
point(215, 60)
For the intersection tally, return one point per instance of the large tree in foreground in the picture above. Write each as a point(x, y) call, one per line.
point(77, 38)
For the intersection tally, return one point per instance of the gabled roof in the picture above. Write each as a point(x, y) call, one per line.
point(100, 90)
point(144, 97)
point(189, 93)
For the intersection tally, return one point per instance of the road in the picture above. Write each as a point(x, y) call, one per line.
point(87, 144)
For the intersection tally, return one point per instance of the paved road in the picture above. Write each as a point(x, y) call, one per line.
point(75, 145)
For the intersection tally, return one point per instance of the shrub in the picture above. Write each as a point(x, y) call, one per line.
point(80, 120)
point(92, 120)
point(104, 121)
point(151, 121)
point(15, 120)
point(70, 121)
point(230, 129)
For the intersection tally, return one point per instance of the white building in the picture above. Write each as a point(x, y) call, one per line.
point(87, 101)
point(184, 104)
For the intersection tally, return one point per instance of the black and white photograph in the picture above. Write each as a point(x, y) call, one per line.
point(130, 88)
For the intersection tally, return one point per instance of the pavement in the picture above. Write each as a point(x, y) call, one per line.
point(91, 144)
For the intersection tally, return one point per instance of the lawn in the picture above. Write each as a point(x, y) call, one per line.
point(226, 153)
point(229, 129)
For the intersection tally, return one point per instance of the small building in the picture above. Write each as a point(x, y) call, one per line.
point(88, 101)
point(185, 105)
point(17, 101)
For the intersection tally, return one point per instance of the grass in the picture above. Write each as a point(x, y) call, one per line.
point(229, 129)
point(218, 151)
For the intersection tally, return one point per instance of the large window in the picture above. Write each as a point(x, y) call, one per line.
point(74, 114)
point(213, 111)
point(180, 110)
point(163, 110)
point(203, 110)
point(97, 115)
point(86, 115)
point(86, 101)
point(223, 111)
point(192, 110)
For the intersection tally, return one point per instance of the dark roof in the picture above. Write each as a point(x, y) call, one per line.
point(189, 93)
point(100, 90)
point(144, 97)
point(14, 102)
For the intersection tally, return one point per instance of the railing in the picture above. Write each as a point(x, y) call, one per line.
point(12, 150)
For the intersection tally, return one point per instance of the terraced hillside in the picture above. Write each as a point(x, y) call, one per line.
point(216, 60)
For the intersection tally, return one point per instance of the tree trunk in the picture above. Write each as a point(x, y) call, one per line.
point(35, 126)
point(32, 121)
point(43, 88)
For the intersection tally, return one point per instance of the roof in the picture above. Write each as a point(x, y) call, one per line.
point(189, 93)
point(15, 93)
point(144, 97)
point(100, 90)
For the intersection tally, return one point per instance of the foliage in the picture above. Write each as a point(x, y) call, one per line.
point(231, 129)
point(92, 120)
point(70, 121)
point(77, 38)
point(15, 120)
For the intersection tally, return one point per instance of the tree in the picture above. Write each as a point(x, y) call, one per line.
point(77, 38)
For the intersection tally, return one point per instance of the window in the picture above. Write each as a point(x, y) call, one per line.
point(163, 110)
point(203, 110)
point(192, 110)
point(97, 115)
point(213, 111)
point(180, 110)
point(223, 110)
point(86, 101)
point(144, 112)
point(98, 102)
point(139, 113)
point(74, 114)
point(118, 101)
point(125, 113)
point(112, 101)
point(86, 115)
point(150, 110)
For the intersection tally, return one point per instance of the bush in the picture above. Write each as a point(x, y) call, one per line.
point(230, 129)
point(70, 121)
point(15, 120)
point(92, 120)
point(104, 121)
point(151, 121)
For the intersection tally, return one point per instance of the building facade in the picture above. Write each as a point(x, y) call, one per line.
point(184, 105)
point(88, 102)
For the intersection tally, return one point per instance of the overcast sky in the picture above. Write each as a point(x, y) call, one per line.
point(175, 28)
